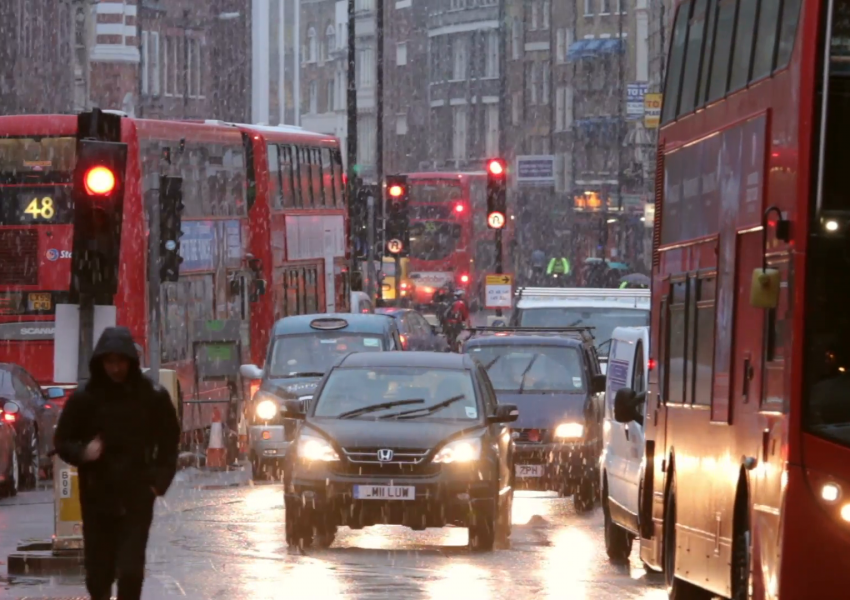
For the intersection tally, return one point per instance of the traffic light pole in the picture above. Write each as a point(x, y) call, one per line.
point(371, 273)
point(499, 266)
point(154, 283)
point(397, 279)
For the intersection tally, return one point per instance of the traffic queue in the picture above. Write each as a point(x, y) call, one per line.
point(368, 418)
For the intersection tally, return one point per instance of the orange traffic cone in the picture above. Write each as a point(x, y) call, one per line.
point(215, 450)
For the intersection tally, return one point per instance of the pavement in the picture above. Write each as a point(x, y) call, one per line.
point(218, 536)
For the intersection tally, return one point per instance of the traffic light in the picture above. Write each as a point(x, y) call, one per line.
point(170, 221)
point(497, 193)
point(398, 218)
point(98, 189)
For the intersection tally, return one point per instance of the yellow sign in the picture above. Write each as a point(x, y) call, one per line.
point(39, 301)
point(68, 517)
point(652, 110)
point(503, 279)
point(40, 208)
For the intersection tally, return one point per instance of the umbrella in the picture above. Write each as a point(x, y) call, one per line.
point(635, 279)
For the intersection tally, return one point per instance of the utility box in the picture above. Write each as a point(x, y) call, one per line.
point(68, 516)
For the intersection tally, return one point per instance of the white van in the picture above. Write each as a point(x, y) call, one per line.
point(622, 457)
point(361, 303)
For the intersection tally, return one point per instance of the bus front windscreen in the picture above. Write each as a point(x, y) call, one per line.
point(433, 240)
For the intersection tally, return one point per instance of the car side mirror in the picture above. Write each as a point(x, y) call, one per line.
point(434, 329)
point(597, 384)
point(11, 408)
point(295, 409)
point(505, 413)
point(54, 393)
point(251, 372)
point(626, 403)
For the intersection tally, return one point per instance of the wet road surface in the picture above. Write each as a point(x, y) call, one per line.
point(228, 542)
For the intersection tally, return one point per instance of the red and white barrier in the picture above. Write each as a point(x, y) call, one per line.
point(215, 450)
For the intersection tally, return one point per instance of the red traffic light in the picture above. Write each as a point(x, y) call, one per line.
point(496, 166)
point(99, 181)
point(459, 208)
point(464, 278)
point(396, 191)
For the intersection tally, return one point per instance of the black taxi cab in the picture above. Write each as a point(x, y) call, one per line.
point(302, 349)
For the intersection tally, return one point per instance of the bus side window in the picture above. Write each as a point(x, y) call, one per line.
point(676, 63)
point(787, 31)
point(305, 164)
point(296, 177)
point(722, 51)
point(703, 364)
point(275, 199)
point(327, 177)
point(677, 343)
point(316, 172)
point(743, 48)
point(776, 334)
point(336, 159)
point(286, 170)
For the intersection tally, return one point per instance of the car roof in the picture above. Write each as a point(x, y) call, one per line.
point(524, 339)
point(531, 298)
point(432, 360)
point(363, 323)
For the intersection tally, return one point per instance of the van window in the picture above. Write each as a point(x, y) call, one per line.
point(639, 373)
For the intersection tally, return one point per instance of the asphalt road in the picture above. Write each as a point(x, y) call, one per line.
point(211, 541)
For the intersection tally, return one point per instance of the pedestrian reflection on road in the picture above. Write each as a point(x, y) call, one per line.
point(461, 580)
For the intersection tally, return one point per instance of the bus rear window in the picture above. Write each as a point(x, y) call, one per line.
point(37, 159)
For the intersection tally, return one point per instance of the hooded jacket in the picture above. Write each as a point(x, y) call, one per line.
point(137, 423)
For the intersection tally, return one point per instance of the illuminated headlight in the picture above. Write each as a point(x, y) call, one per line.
point(316, 449)
point(460, 451)
point(569, 431)
point(266, 410)
point(830, 492)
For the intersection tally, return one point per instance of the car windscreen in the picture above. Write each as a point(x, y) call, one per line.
point(528, 369)
point(297, 355)
point(603, 320)
point(402, 393)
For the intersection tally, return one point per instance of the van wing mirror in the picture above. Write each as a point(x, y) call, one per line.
point(626, 403)
point(251, 372)
point(295, 409)
point(505, 413)
point(597, 384)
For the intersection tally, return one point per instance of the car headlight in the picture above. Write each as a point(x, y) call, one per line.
point(460, 451)
point(569, 431)
point(266, 410)
point(315, 448)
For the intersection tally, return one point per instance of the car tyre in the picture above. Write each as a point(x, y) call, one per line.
point(13, 477)
point(677, 589)
point(503, 521)
point(482, 530)
point(257, 473)
point(585, 495)
point(618, 541)
point(299, 529)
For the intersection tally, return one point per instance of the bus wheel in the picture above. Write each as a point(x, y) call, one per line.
point(676, 588)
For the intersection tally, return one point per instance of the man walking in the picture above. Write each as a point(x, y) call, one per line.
point(121, 432)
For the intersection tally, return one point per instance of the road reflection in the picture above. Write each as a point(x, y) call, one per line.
point(461, 580)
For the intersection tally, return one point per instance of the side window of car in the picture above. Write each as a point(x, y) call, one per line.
point(489, 393)
point(20, 387)
point(639, 375)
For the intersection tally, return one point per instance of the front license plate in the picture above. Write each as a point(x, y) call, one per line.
point(529, 470)
point(384, 492)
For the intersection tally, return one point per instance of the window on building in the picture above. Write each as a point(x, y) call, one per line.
point(314, 97)
point(722, 50)
point(491, 67)
point(677, 60)
point(366, 68)
point(459, 148)
point(312, 45)
point(516, 39)
point(401, 54)
point(167, 66)
point(547, 8)
point(535, 14)
point(330, 40)
point(605, 7)
point(568, 108)
point(460, 58)
point(532, 81)
point(621, 6)
point(401, 124)
point(588, 8)
point(195, 69)
point(516, 108)
point(546, 75)
point(560, 97)
point(329, 95)
point(145, 52)
point(561, 46)
point(153, 54)
point(491, 141)
point(366, 142)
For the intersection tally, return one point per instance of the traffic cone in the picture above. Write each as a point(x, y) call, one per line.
point(215, 450)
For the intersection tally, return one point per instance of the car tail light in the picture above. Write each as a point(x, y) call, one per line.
point(9, 417)
point(403, 341)
point(464, 278)
point(459, 208)
point(48, 406)
point(652, 364)
point(403, 285)
point(255, 385)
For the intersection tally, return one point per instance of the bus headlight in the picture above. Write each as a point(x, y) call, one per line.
point(266, 410)
point(569, 431)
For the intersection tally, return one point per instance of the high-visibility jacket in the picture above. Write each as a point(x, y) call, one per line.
point(558, 265)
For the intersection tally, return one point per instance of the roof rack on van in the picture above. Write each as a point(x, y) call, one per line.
point(581, 292)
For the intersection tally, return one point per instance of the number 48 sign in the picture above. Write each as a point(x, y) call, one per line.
point(40, 208)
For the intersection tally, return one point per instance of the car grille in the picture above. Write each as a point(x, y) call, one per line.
point(19, 257)
point(405, 462)
point(524, 437)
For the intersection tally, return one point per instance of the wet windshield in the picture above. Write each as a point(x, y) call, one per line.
point(398, 393)
point(433, 240)
point(313, 354)
point(603, 320)
point(528, 369)
point(37, 159)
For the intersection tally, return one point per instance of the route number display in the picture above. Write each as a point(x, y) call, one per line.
point(41, 208)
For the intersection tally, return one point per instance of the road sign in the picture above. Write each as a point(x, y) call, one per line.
point(395, 246)
point(498, 290)
point(67, 515)
point(496, 220)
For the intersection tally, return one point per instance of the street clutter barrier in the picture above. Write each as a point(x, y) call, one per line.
point(68, 518)
point(215, 451)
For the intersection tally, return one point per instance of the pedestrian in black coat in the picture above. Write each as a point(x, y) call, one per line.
point(121, 432)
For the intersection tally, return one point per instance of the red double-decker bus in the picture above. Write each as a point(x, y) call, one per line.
point(449, 237)
point(242, 227)
point(746, 489)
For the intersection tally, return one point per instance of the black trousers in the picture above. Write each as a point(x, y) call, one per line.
point(114, 549)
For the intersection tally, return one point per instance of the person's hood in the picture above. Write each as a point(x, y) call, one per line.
point(114, 340)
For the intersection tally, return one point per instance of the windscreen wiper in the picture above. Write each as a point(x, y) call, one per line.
point(373, 407)
point(524, 373)
point(492, 362)
point(427, 410)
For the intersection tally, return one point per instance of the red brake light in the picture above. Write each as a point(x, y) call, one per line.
point(99, 181)
point(255, 385)
point(403, 341)
point(652, 364)
point(403, 285)
point(48, 406)
point(9, 417)
point(459, 208)
point(396, 191)
point(496, 167)
point(464, 278)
